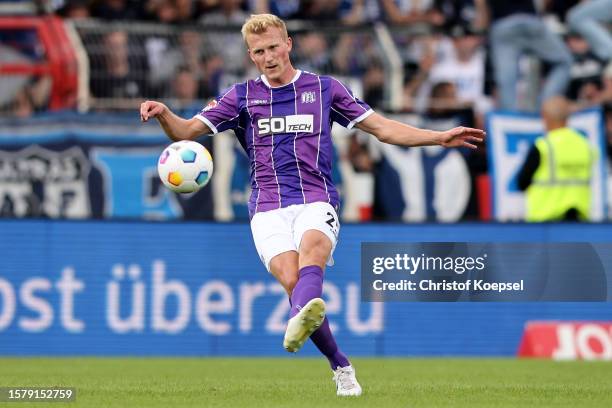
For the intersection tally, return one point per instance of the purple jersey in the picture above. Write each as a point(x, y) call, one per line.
point(286, 132)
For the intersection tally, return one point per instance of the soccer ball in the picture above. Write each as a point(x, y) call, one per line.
point(185, 166)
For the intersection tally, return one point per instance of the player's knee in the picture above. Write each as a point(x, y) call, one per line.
point(285, 270)
point(314, 248)
point(289, 282)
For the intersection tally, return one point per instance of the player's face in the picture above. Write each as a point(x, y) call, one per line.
point(270, 53)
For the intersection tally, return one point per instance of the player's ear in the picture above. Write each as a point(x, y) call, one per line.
point(289, 43)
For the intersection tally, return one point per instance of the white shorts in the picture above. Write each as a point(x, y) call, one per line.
point(281, 230)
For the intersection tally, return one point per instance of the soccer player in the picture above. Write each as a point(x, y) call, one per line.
point(283, 121)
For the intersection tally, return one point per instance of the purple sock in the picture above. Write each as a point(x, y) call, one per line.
point(325, 342)
point(308, 286)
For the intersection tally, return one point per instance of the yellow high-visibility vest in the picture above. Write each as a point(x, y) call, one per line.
point(563, 179)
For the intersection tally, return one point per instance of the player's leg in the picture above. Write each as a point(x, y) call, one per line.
point(307, 308)
point(273, 237)
point(316, 229)
point(284, 267)
point(275, 245)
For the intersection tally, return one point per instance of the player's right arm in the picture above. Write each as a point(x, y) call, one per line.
point(174, 126)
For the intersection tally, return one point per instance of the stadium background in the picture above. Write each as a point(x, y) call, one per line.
point(100, 259)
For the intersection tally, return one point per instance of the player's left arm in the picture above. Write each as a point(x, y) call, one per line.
point(393, 132)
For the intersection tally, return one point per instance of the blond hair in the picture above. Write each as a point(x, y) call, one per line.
point(259, 23)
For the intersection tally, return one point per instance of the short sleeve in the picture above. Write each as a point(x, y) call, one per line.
point(221, 113)
point(346, 109)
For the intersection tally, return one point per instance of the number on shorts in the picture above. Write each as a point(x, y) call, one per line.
point(331, 222)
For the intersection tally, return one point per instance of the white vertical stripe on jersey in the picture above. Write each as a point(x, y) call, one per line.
point(319, 139)
point(246, 104)
point(294, 140)
point(272, 157)
point(349, 94)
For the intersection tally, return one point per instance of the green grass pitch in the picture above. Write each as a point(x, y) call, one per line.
point(302, 382)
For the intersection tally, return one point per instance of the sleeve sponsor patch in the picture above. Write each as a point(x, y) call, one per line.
point(211, 105)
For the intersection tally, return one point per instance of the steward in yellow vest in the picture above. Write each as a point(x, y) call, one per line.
point(557, 172)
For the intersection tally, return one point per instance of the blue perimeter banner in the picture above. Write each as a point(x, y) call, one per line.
point(136, 288)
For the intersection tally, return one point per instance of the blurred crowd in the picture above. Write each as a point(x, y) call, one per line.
point(455, 52)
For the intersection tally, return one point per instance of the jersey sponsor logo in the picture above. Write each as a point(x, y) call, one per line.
point(285, 124)
point(253, 102)
point(309, 97)
point(210, 105)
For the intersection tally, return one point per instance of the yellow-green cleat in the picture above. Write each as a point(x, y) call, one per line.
point(303, 324)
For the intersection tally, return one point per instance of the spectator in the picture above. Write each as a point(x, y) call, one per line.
point(313, 52)
point(373, 83)
point(75, 9)
point(32, 97)
point(451, 13)
point(406, 12)
point(360, 12)
point(589, 18)
point(162, 11)
point(23, 106)
point(515, 28)
point(185, 11)
point(185, 93)
point(446, 109)
point(559, 9)
point(114, 76)
point(346, 61)
point(206, 6)
point(212, 73)
point(228, 45)
point(464, 67)
point(443, 98)
point(586, 67)
point(117, 10)
point(229, 13)
point(607, 85)
point(282, 8)
point(590, 93)
point(165, 58)
point(319, 10)
point(557, 172)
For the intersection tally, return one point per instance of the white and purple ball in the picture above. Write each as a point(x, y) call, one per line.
point(185, 166)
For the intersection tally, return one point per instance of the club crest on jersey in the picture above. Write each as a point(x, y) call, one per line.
point(308, 97)
point(285, 124)
point(210, 105)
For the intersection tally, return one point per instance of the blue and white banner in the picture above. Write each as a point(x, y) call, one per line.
point(509, 138)
point(89, 166)
point(178, 288)
point(425, 183)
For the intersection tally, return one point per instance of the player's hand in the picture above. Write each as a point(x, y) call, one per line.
point(462, 137)
point(151, 109)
